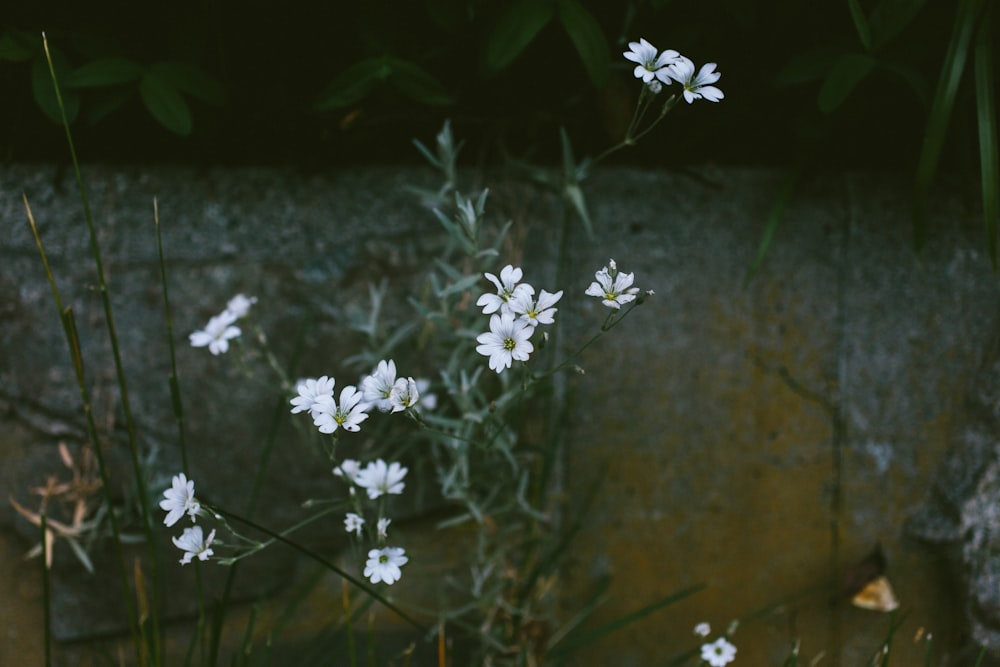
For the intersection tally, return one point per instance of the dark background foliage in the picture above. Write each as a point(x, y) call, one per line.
point(272, 83)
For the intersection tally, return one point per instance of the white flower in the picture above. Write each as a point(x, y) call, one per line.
point(348, 468)
point(718, 653)
point(348, 415)
point(193, 543)
point(404, 394)
point(506, 340)
point(696, 87)
point(383, 564)
point(612, 287)
point(427, 401)
point(655, 86)
point(377, 387)
point(383, 526)
point(217, 333)
point(650, 65)
point(353, 523)
point(703, 629)
point(379, 478)
point(239, 305)
point(507, 287)
point(179, 500)
point(314, 395)
point(536, 311)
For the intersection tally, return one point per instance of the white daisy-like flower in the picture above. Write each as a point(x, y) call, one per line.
point(217, 333)
point(536, 311)
point(378, 478)
point(315, 395)
point(703, 629)
point(651, 64)
point(348, 469)
point(383, 564)
point(404, 394)
point(179, 500)
point(239, 305)
point(506, 341)
point(383, 527)
point(718, 653)
point(348, 414)
point(507, 288)
point(696, 86)
point(193, 543)
point(377, 387)
point(612, 287)
point(353, 523)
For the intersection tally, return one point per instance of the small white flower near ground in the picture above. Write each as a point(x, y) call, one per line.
point(703, 629)
point(383, 565)
point(217, 333)
point(696, 86)
point(613, 288)
point(377, 387)
point(506, 341)
point(651, 64)
point(348, 414)
point(193, 543)
point(507, 288)
point(379, 478)
point(179, 500)
point(239, 305)
point(314, 394)
point(353, 523)
point(718, 653)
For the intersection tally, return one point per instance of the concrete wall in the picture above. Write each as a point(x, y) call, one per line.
point(759, 439)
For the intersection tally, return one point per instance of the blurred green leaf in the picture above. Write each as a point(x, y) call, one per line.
point(860, 24)
point(986, 112)
point(774, 218)
point(944, 101)
point(588, 38)
point(44, 92)
point(889, 17)
point(847, 72)
point(353, 84)
point(913, 78)
point(807, 66)
point(514, 31)
point(418, 84)
point(190, 79)
point(165, 104)
point(105, 72)
point(103, 102)
point(14, 48)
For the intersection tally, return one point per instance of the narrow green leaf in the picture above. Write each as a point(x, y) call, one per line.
point(514, 31)
point(773, 221)
point(986, 112)
point(418, 84)
point(889, 17)
point(937, 122)
point(353, 84)
point(190, 79)
point(165, 104)
point(847, 72)
point(105, 72)
point(45, 94)
point(861, 24)
point(588, 38)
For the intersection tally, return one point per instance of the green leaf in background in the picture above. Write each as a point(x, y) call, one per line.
point(104, 101)
point(353, 84)
point(190, 79)
point(944, 101)
point(45, 94)
point(166, 104)
point(418, 84)
point(889, 17)
point(807, 66)
point(514, 31)
point(847, 72)
point(861, 24)
point(986, 112)
point(588, 38)
point(14, 48)
point(105, 72)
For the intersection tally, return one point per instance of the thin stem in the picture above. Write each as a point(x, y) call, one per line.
point(46, 611)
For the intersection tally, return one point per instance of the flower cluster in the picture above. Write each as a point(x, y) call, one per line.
point(719, 653)
point(378, 478)
point(222, 328)
point(659, 69)
point(177, 501)
point(514, 313)
point(380, 390)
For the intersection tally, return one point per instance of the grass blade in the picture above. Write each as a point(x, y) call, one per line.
point(773, 221)
point(46, 611)
point(986, 114)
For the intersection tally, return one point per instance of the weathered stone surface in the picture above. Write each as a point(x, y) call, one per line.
point(758, 438)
